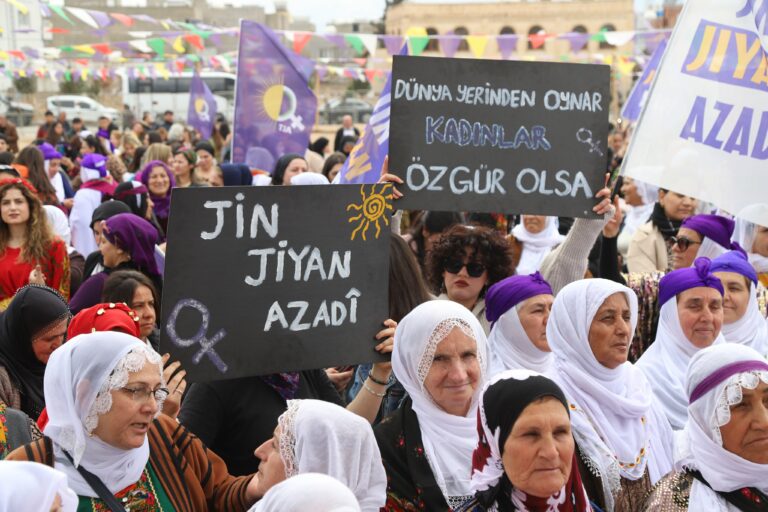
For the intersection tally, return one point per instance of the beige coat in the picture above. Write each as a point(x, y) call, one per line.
point(647, 250)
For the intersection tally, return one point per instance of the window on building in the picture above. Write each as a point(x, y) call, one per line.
point(608, 27)
point(536, 29)
point(462, 31)
point(506, 31)
point(433, 45)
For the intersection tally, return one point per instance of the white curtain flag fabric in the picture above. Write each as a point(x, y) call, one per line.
point(703, 132)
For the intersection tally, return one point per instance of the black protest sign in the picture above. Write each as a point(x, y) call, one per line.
point(261, 280)
point(499, 136)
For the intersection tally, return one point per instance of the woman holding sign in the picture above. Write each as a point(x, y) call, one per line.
point(440, 358)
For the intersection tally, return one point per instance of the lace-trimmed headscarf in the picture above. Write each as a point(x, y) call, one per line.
point(321, 437)
point(616, 422)
point(448, 440)
point(310, 491)
point(716, 377)
point(78, 382)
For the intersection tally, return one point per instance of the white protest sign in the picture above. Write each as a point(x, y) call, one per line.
point(703, 130)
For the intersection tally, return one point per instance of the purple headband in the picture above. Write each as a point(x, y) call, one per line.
point(715, 227)
point(709, 383)
point(734, 261)
point(509, 292)
point(49, 152)
point(683, 279)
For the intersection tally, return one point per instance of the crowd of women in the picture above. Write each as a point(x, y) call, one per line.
point(616, 363)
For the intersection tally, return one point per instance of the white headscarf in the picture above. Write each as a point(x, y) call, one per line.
point(744, 234)
point(78, 381)
point(613, 413)
point(448, 440)
point(700, 444)
point(666, 361)
point(710, 249)
point(636, 216)
point(321, 437)
point(536, 246)
point(512, 349)
point(309, 491)
point(33, 486)
point(60, 225)
point(309, 178)
point(751, 329)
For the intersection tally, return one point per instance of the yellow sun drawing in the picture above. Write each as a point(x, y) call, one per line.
point(373, 208)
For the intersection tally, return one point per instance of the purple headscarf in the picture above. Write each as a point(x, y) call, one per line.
point(49, 152)
point(135, 236)
point(509, 292)
point(162, 203)
point(683, 279)
point(715, 227)
point(734, 261)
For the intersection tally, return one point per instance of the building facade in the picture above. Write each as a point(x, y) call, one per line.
point(519, 17)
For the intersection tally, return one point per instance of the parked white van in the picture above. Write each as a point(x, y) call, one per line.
point(156, 95)
point(87, 109)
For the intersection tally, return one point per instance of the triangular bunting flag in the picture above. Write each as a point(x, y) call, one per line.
point(418, 39)
point(370, 74)
point(19, 6)
point(370, 41)
point(60, 11)
point(477, 45)
point(83, 16)
point(102, 48)
point(157, 45)
point(355, 42)
point(195, 40)
point(85, 48)
point(122, 18)
point(178, 45)
point(619, 38)
point(538, 40)
point(300, 40)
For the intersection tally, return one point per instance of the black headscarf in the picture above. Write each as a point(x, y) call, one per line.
point(282, 165)
point(107, 210)
point(664, 224)
point(33, 309)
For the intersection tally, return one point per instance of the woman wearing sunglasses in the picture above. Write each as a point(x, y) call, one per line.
point(464, 262)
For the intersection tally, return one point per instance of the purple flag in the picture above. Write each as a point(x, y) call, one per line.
point(449, 44)
point(636, 100)
point(393, 44)
point(274, 106)
point(367, 157)
point(507, 44)
point(202, 107)
point(577, 40)
point(101, 18)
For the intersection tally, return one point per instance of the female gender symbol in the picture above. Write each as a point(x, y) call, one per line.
point(206, 345)
point(585, 137)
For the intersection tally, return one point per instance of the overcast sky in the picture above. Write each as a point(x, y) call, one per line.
point(322, 12)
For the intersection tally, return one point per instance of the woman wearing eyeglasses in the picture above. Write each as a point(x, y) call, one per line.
point(105, 391)
point(464, 262)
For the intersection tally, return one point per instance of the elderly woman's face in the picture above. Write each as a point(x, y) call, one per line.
point(44, 344)
point(454, 374)
point(700, 311)
point(611, 331)
point(126, 424)
point(460, 286)
point(736, 297)
point(272, 468)
point(534, 223)
point(746, 435)
point(534, 314)
point(760, 245)
point(539, 450)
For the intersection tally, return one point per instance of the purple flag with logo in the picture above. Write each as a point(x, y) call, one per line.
point(202, 107)
point(636, 100)
point(274, 106)
point(364, 162)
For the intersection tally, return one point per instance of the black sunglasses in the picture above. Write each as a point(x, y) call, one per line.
point(683, 243)
point(474, 269)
